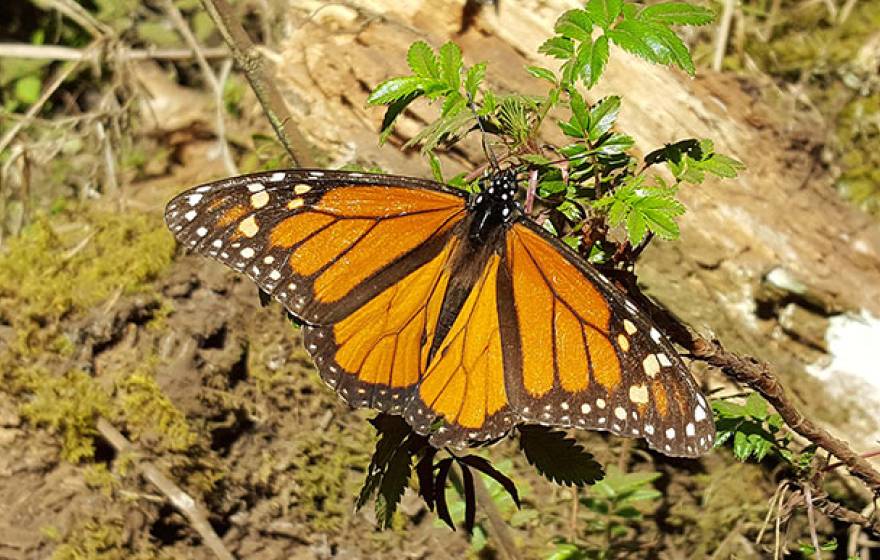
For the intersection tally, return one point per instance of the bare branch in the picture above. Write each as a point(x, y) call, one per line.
point(249, 59)
point(55, 52)
point(216, 83)
point(194, 512)
point(757, 375)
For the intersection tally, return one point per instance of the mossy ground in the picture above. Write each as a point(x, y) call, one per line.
point(831, 67)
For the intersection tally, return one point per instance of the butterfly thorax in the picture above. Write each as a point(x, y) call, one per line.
point(493, 206)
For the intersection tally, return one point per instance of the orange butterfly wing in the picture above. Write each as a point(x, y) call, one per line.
point(360, 258)
point(581, 355)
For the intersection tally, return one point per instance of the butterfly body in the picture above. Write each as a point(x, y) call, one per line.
point(460, 314)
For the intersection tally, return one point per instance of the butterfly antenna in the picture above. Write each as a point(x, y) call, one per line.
point(493, 161)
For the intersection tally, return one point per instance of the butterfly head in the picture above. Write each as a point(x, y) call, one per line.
point(494, 205)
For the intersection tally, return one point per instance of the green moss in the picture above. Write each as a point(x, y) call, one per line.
point(68, 404)
point(150, 415)
point(100, 538)
point(825, 61)
point(328, 476)
point(55, 267)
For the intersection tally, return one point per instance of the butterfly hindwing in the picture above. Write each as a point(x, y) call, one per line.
point(586, 357)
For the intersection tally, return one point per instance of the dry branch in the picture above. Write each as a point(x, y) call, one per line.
point(54, 52)
point(184, 503)
point(757, 375)
point(252, 63)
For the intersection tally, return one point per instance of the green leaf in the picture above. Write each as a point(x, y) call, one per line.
point(723, 166)
point(542, 73)
point(436, 170)
point(632, 42)
point(27, 89)
point(422, 61)
point(615, 144)
point(603, 115)
point(580, 114)
point(450, 65)
point(395, 108)
point(557, 47)
point(453, 103)
point(598, 59)
point(756, 406)
point(677, 13)
point(395, 88)
point(636, 227)
point(604, 12)
point(558, 458)
point(574, 24)
point(474, 78)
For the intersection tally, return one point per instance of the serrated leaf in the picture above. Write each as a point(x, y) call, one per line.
point(604, 12)
point(570, 130)
point(558, 458)
point(394, 482)
point(395, 108)
point(422, 61)
point(394, 89)
point(440, 492)
point(436, 169)
point(580, 113)
point(615, 144)
point(665, 46)
point(542, 73)
point(756, 406)
point(574, 24)
point(474, 78)
point(677, 13)
point(598, 60)
point(636, 227)
point(453, 103)
point(535, 159)
point(392, 430)
point(450, 65)
point(722, 166)
point(632, 43)
point(425, 475)
point(728, 409)
point(485, 467)
point(603, 115)
point(470, 499)
point(557, 47)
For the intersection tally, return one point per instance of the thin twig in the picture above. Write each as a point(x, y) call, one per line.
point(79, 15)
point(811, 520)
point(757, 375)
point(249, 59)
point(184, 503)
point(500, 531)
point(225, 152)
point(54, 52)
point(723, 34)
point(111, 184)
point(216, 83)
point(61, 75)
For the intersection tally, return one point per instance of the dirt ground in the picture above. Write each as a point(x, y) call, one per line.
point(218, 392)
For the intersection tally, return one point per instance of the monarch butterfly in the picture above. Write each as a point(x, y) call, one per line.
point(455, 311)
